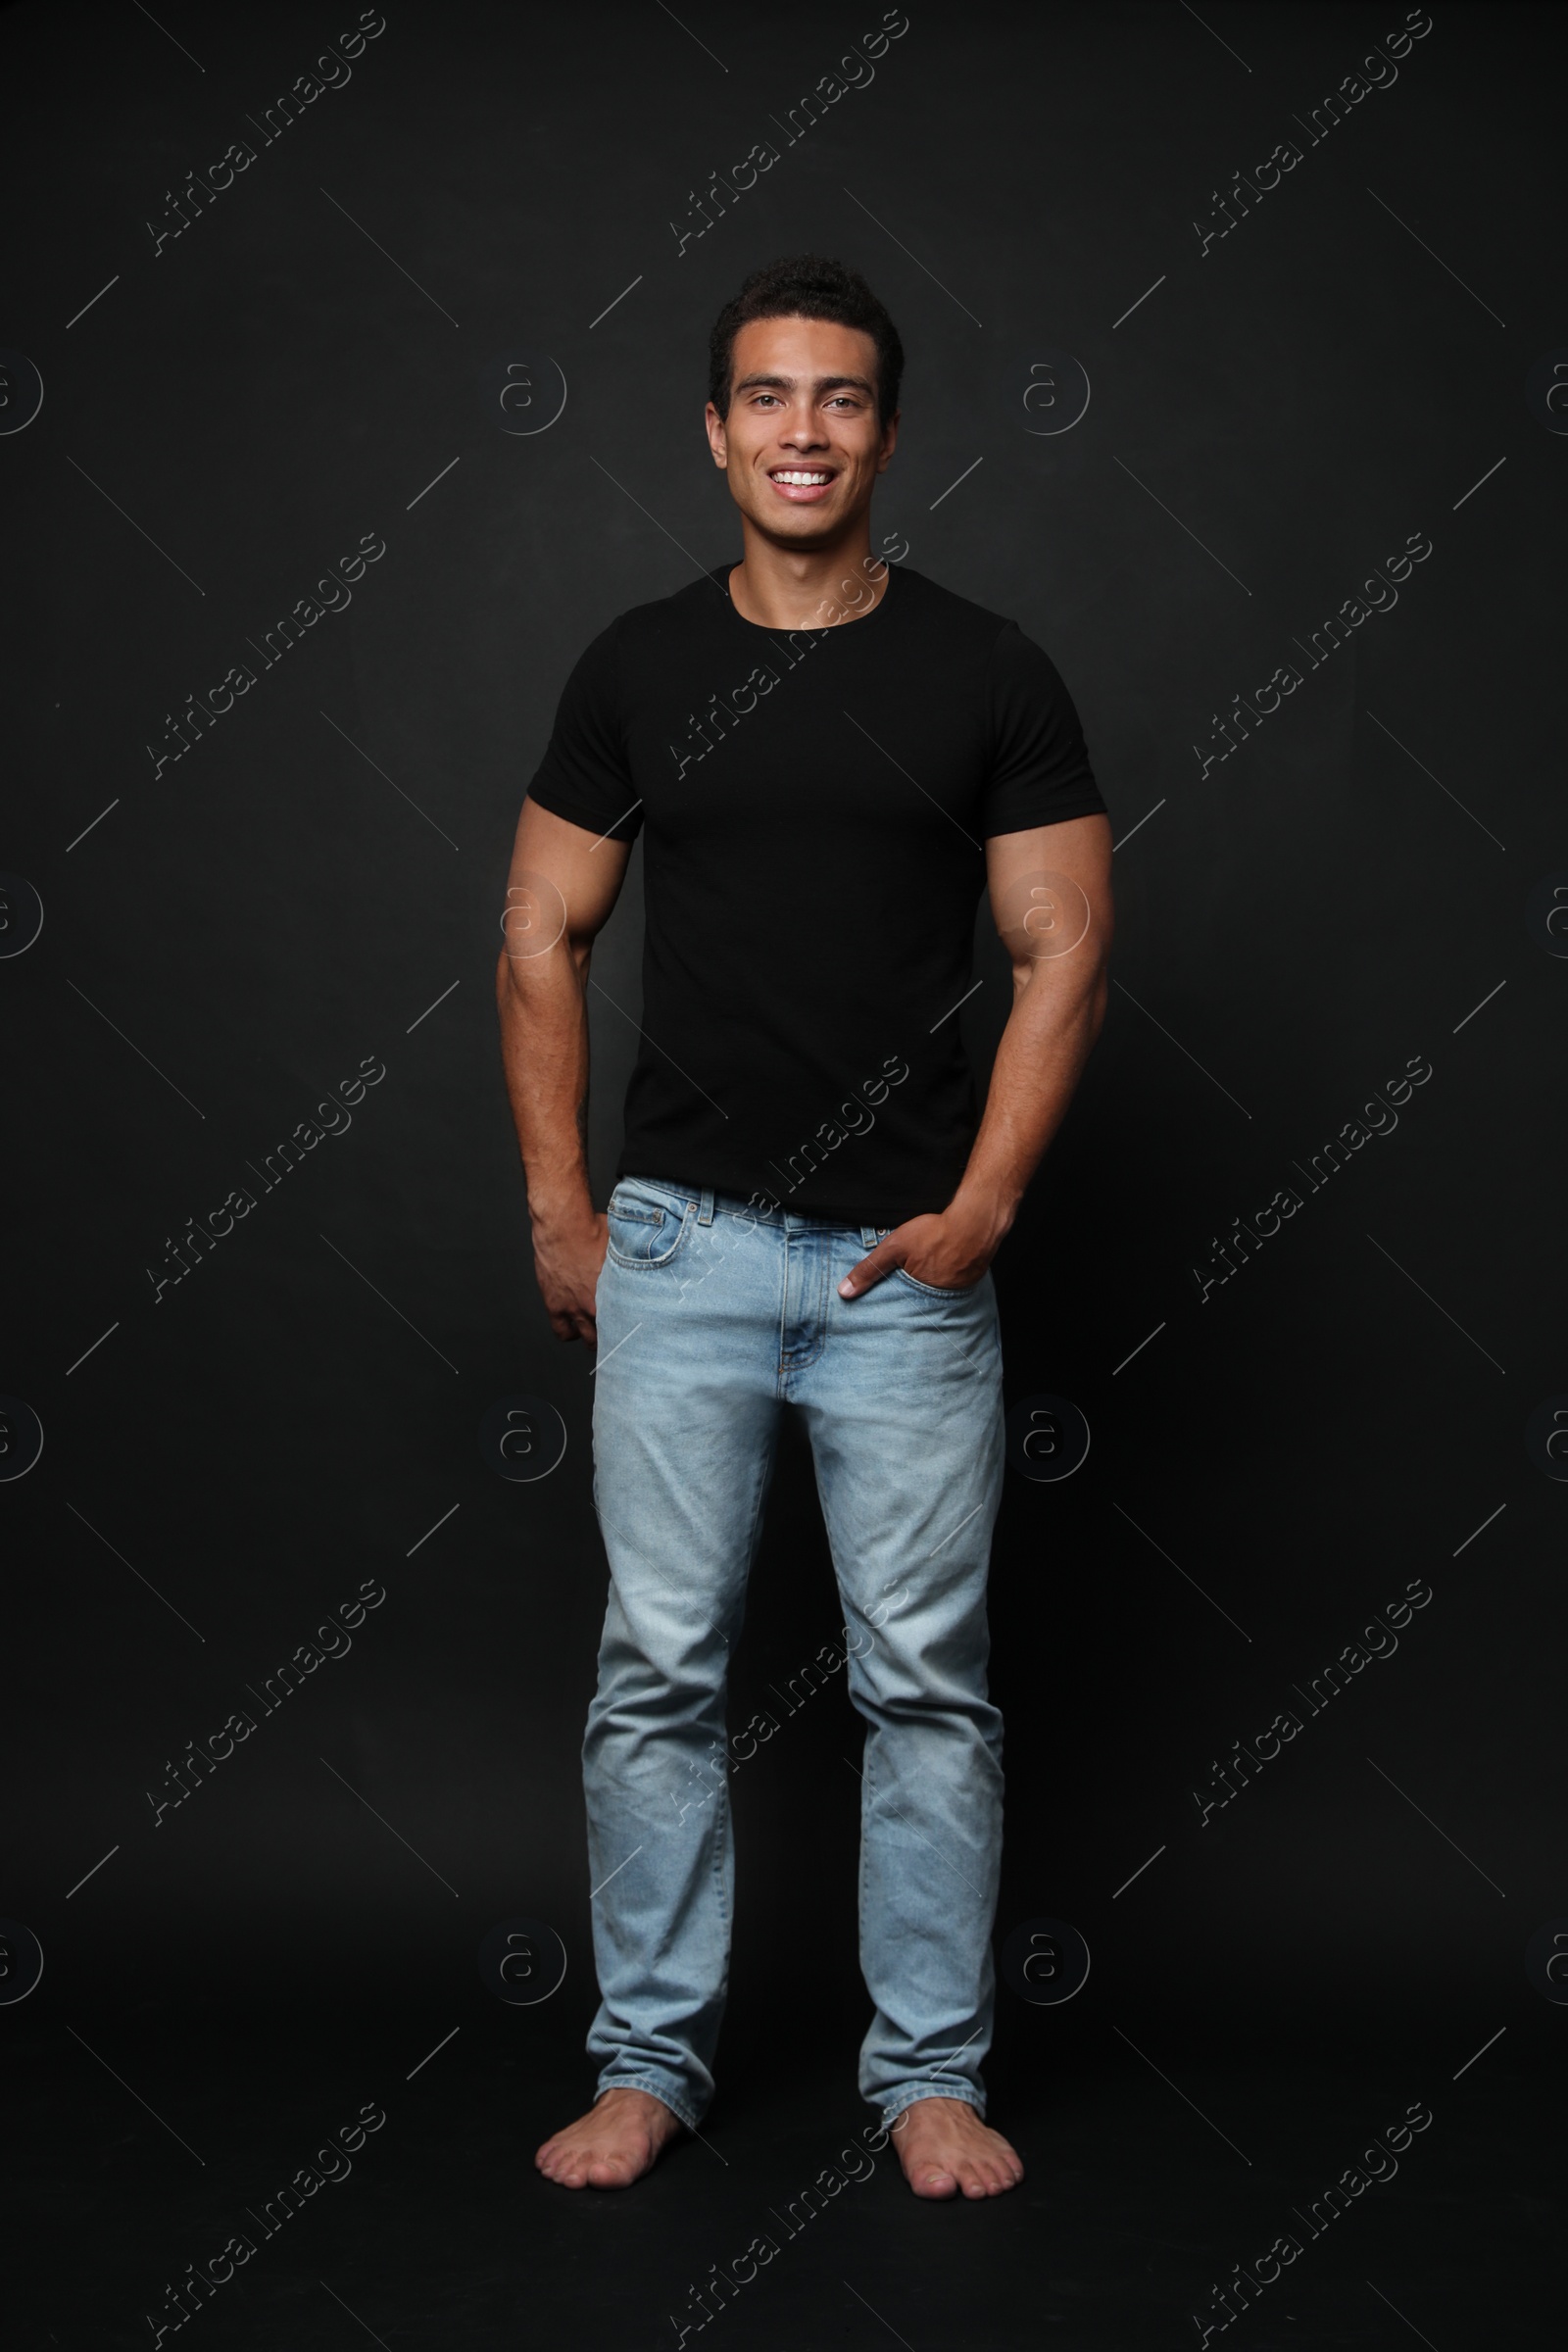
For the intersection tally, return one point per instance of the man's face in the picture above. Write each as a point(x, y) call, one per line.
point(802, 445)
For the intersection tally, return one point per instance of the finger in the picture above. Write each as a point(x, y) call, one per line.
point(870, 1270)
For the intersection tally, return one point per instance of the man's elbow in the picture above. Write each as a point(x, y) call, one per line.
point(1069, 989)
point(511, 989)
point(523, 979)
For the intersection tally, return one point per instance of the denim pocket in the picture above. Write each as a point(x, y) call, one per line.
point(929, 1290)
point(645, 1225)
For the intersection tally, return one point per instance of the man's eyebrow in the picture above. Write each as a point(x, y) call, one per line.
point(821, 383)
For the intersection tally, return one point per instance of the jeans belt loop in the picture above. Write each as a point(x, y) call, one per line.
point(869, 1237)
point(706, 1213)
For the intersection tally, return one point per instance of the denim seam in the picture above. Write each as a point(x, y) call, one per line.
point(722, 1815)
point(652, 1265)
point(660, 1183)
point(814, 1311)
point(932, 1290)
point(721, 1828)
point(867, 1806)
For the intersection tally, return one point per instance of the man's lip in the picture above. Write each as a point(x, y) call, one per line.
point(830, 470)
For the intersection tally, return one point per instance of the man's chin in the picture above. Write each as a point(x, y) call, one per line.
point(798, 530)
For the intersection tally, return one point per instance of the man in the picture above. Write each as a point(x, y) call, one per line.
point(825, 756)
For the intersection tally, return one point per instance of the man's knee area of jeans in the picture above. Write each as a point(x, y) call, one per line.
point(917, 1644)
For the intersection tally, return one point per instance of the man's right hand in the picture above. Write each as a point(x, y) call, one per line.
point(568, 1255)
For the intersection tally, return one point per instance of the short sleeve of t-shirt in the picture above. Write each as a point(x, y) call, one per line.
point(584, 776)
point(1039, 761)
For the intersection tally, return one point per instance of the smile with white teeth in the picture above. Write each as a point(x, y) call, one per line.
point(802, 481)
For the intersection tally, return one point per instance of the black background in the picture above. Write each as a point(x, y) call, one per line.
point(319, 879)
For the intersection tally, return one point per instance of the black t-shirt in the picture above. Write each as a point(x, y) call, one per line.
point(813, 804)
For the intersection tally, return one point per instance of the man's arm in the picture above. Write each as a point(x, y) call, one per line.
point(1052, 899)
point(559, 893)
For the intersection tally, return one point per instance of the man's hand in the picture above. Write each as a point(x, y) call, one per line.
point(568, 1252)
point(949, 1250)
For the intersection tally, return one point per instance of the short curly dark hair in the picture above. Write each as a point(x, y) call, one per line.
point(807, 285)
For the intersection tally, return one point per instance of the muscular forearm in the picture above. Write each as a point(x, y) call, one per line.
point(544, 1052)
point(1050, 1035)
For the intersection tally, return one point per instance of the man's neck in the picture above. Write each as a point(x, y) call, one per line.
point(807, 588)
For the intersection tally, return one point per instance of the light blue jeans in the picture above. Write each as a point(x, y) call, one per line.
point(713, 1316)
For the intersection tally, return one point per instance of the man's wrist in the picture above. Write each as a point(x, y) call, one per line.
point(983, 1213)
point(557, 1206)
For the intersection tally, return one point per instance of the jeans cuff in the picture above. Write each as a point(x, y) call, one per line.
point(969, 2092)
point(661, 2086)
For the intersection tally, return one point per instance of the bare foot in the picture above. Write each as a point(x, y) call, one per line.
point(945, 2149)
point(612, 2145)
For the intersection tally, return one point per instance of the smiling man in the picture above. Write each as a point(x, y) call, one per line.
point(807, 1203)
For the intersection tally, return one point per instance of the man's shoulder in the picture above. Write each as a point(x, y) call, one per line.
point(641, 641)
point(685, 608)
point(938, 607)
